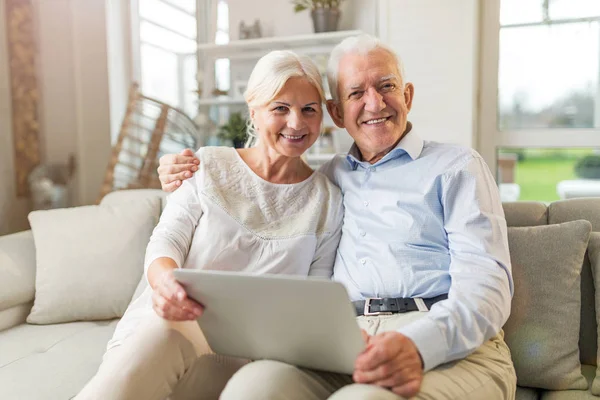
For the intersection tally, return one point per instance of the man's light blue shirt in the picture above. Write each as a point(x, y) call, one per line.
point(427, 220)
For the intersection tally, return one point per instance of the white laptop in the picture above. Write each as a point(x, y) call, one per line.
point(305, 322)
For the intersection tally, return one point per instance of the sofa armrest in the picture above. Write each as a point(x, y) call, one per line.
point(17, 269)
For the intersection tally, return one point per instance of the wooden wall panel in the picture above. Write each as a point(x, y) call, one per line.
point(22, 54)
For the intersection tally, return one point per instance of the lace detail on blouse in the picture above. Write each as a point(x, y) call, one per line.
point(268, 210)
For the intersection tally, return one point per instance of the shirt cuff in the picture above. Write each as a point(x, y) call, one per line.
point(429, 340)
point(158, 252)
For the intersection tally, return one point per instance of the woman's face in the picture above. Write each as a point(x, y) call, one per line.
point(291, 122)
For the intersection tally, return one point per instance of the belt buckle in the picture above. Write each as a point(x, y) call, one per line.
point(367, 310)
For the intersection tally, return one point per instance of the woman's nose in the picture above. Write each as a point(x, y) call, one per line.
point(295, 121)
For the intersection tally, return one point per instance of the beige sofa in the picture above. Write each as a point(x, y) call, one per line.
point(55, 361)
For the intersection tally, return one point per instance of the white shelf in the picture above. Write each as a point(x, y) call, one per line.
point(309, 41)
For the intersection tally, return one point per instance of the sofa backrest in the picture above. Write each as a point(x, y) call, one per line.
point(535, 213)
point(123, 196)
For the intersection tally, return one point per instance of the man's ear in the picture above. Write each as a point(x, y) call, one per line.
point(335, 111)
point(409, 94)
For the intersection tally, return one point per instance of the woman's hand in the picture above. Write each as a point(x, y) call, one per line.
point(173, 169)
point(169, 299)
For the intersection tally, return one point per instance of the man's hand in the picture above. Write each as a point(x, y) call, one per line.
point(173, 169)
point(391, 360)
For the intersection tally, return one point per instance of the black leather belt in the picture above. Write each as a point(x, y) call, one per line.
point(389, 305)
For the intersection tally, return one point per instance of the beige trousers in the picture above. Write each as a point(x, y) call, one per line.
point(487, 374)
point(161, 359)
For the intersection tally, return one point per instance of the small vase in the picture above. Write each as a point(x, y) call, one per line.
point(325, 19)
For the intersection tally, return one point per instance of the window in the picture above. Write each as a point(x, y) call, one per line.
point(167, 33)
point(548, 64)
point(222, 66)
point(540, 95)
point(548, 174)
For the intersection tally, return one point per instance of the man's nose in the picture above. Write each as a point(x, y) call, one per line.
point(295, 121)
point(373, 101)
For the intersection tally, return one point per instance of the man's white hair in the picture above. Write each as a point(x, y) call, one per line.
point(361, 44)
point(271, 73)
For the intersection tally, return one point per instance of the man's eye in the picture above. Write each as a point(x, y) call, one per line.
point(389, 86)
point(356, 93)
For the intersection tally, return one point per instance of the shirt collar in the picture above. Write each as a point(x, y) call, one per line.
point(410, 144)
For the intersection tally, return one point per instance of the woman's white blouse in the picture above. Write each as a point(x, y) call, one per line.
point(227, 218)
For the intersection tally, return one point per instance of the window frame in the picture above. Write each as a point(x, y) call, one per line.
point(136, 42)
point(490, 138)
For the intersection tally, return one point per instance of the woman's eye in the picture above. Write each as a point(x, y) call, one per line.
point(309, 109)
point(280, 109)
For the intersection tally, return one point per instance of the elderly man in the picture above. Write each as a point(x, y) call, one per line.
point(424, 224)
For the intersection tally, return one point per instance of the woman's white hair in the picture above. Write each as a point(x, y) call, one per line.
point(361, 44)
point(271, 73)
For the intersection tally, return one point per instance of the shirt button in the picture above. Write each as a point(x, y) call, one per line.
point(366, 203)
point(363, 261)
point(362, 233)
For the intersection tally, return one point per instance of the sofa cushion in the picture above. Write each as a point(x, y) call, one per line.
point(89, 259)
point(17, 269)
point(526, 394)
point(14, 316)
point(570, 210)
point(51, 361)
point(546, 265)
point(525, 213)
point(594, 258)
point(575, 209)
point(588, 372)
point(126, 196)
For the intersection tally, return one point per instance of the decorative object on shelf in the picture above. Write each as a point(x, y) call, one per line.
point(22, 54)
point(250, 31)
point(325, 13)
point(239, 87)
point(219, 92)
point(588, 167)
point(234, 130)
point(325, 141)
point(150, 129)
point(51, 185)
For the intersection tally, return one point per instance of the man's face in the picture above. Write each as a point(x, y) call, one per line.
point(373, 102)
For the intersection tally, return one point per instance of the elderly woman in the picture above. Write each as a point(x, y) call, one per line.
point(258, 210)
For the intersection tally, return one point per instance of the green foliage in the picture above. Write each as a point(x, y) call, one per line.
point(301, 5)
point(588, 167)
point(538, 177)
point(234, 130)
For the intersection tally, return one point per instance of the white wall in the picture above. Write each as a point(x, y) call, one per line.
point(91, 95)
point(118, 22)
point(437, 40)
point(75, 117)
point(13, 210)
point(281, 20)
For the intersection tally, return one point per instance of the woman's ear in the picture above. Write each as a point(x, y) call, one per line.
point(335, 111)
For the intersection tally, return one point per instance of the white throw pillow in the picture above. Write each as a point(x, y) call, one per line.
point(89, 259)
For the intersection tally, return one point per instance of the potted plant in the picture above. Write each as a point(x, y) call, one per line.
point(325, 13)
point(588, 167)
point(234, 130)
